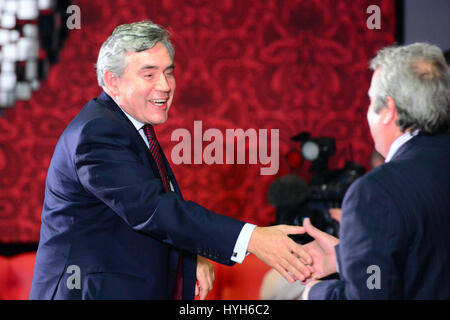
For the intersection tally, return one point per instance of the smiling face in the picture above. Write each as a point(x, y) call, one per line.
point(146, 87)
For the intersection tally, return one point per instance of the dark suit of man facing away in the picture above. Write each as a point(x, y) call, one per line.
point(395, 228)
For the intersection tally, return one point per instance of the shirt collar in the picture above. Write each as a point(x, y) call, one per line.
point(138, 125)
point(398, 143)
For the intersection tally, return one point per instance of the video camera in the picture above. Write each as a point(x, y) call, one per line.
point(295, 200)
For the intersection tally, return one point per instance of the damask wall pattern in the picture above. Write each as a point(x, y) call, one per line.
point(292, 65)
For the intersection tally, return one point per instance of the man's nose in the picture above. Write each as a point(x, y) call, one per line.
point(163, 84)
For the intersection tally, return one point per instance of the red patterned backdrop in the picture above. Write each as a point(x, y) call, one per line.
point(288, 64)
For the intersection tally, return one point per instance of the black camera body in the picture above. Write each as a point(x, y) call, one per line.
point(295, 200)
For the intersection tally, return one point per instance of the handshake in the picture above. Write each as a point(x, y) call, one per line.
point(315, 260)
point(273, 246)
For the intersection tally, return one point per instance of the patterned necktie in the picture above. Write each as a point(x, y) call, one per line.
point(155, 150)
point(156, 153)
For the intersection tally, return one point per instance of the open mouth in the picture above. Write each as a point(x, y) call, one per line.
point(159, 102)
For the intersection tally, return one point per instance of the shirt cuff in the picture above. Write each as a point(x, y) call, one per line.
point(240, 248)
point(305, 293)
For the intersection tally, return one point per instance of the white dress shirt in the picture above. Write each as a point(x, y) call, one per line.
point(398, 143)
point(240, 248)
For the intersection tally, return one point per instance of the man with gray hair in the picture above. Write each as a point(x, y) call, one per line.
point(395, 225)
point(114, 222)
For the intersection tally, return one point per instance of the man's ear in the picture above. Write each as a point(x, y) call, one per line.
point(111, 83)
point(391, 112)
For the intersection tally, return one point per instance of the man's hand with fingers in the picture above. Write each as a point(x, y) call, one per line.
point(273, 246)
point(321, 250)
point(205, 277)
point(336, 214)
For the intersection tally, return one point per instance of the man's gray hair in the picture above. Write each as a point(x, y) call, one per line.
point(417, 78)
point(134, 37)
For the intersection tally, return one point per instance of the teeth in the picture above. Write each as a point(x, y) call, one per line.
point(159, 101)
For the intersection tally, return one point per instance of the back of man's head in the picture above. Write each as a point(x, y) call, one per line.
point(417, 78)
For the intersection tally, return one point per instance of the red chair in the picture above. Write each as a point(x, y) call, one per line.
point(16, 273)
point(239, 282)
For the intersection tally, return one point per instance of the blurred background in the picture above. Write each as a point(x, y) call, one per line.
point(293, 65)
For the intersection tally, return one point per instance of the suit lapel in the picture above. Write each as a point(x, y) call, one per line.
point(171, 175)
point(106, 101)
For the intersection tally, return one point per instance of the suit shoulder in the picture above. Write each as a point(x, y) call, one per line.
point(372, 177)
point(375, 183)
point(94, 118)
point(95, 123)
point(93, 112)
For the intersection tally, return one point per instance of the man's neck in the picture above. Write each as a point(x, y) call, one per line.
point(400, 140)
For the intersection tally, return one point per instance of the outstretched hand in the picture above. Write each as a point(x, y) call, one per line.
point(273, 246)
point(336, 214)
point(321, 250)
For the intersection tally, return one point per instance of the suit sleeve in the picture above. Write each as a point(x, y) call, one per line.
point(109, 167)
point(372, 246)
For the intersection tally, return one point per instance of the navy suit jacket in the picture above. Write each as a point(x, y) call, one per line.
point(397, 218)
point(106, 213)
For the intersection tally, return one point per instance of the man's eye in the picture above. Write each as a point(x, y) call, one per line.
point(148, 75)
